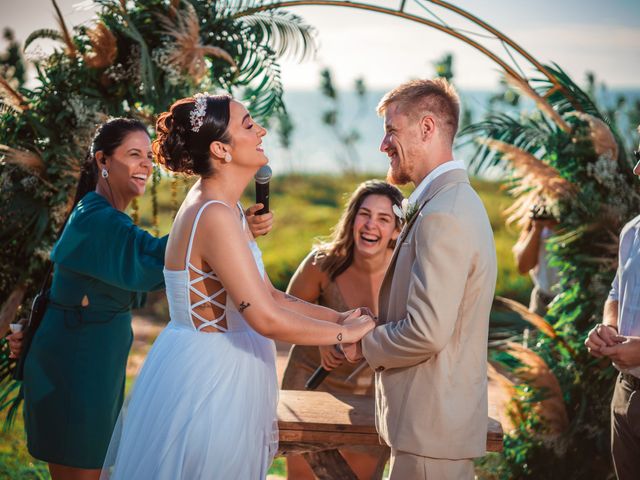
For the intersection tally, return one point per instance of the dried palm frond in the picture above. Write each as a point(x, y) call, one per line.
point(10, 308)
point(11, 97)
point(533, 171)
point(504, 402)
point(536, 179)
point(173, 8)
point(535, 371)
point(188, 54)
point(542, 104)
point(29, 160)
point(104, 47)
point(71, 51)
point(533, 318)
point(601, 136)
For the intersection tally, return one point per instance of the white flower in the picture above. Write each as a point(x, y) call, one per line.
point(398, 212)
point(407, 211)
point(162, 58)
point(605, 171)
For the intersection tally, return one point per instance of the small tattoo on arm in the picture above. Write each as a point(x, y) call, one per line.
point(290, 298)
point(339, 337)
point(243, 306)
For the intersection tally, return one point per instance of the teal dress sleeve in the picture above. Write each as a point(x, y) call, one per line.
point(104, 243)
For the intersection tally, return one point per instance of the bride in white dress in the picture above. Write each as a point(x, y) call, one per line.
point(204, 404)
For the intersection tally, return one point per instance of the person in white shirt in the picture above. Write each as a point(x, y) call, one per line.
point(531, 256)
point(618, 338)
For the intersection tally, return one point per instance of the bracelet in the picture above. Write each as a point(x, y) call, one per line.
point(615, 327)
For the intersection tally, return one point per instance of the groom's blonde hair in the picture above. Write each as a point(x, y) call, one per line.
point(419, 97)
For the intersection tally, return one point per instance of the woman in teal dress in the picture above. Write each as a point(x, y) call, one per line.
point(103, 264)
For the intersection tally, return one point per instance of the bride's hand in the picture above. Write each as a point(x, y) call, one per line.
point(258, 224)
point(357, 326)
point(362, 311)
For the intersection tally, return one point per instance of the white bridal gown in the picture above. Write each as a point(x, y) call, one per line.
point(204, 404)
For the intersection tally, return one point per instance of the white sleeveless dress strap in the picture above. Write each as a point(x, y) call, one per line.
point(205, 275)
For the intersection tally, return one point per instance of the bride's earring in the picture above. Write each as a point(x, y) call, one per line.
point(104, 173)
point(227, 157)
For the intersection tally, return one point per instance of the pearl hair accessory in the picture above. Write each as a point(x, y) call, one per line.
point(227, 157)
point(196, 116)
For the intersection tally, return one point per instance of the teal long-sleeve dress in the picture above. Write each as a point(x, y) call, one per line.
point(75, 371)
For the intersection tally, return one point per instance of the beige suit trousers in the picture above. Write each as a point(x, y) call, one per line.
point(406, 466)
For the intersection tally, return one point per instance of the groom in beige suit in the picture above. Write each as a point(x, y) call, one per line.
point(430, 350)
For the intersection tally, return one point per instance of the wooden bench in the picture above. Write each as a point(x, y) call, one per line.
point(317, 424)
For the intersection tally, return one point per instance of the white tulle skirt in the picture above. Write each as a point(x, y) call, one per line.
point(203, 407)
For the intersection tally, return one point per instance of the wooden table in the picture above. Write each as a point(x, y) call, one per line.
point(316, 424)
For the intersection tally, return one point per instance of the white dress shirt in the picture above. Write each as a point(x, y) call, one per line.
point(626, 286)
point(433, 174)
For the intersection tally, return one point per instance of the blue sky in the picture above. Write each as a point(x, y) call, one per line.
point(603, 37)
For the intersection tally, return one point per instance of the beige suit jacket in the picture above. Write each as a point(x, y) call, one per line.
point(430, 352)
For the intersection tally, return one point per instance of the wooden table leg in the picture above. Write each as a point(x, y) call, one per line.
point(329, 465)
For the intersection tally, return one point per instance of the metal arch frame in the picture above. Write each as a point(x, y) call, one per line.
point(400, 12)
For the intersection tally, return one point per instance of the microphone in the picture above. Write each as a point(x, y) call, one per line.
point(318, 376)
point(262, 177)
point(316, 379)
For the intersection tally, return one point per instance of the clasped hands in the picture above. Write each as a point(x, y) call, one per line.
point(332, 356)
point(604, 341)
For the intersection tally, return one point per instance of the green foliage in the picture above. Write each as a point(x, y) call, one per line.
point(347, 135)
point(142, 63)
point(71, 97)
point(584, 250)
point(444, 67)
point(12, 66)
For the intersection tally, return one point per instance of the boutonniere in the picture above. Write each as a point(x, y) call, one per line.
point(407, 212)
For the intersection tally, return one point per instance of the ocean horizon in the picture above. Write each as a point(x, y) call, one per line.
point(315, 147)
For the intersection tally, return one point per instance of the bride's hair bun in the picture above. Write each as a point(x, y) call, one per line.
point(182, 150)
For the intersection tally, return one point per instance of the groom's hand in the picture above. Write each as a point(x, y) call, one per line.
point(352, 351)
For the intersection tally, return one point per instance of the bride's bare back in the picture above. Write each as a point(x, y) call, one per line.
point(208, 296)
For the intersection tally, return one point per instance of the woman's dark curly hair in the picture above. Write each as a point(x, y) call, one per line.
point(182, 150)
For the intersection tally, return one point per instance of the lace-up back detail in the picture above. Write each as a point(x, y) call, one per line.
point(206, 299)
point(182, 286)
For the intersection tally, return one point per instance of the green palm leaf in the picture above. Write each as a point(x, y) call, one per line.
point(562, 102)
point(531, 135)
point(264, 38)
point(10, 393)
point(284, 32)
point(49, 33)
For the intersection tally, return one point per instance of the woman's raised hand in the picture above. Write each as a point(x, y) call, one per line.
point(258, 224)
